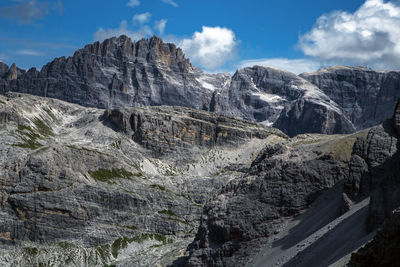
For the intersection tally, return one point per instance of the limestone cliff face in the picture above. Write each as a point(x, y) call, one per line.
point(165, 130)
point(374, 170)
point(282, 99)
point(119, 72)
point(366, 97)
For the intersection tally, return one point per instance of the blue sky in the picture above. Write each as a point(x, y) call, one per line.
point(217, 35)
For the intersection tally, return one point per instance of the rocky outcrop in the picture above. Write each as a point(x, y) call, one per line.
point(176, 129)
point(118, 73)
point(367, 164)
point(384, 249)
point(282, 99)
point(246, 210)
point(3, 70)
point(305, 116)
point(365, 96)
point(374, 171)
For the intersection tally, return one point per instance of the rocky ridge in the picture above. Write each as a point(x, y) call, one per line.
point(367, 97)
point(120, 72)
point(283, 100)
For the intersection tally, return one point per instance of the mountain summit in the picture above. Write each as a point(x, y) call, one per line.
point(119, 72)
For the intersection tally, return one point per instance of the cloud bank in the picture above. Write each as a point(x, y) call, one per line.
point(370, 36)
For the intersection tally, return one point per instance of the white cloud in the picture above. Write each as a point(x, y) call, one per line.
point(160, 25)
point(296, 66)
point(141, 18)
point(142, 32)
point(369, 36)
point(211, 48)
point(133, 3)
point(170, 2)
point(28, 52)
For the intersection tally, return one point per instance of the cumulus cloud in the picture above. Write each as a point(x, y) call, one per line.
point(27, 11)
point(211, 48)
point(123, 29)
point(133, 3)
point(369, 36)
point(296, 66)
point(160, 26)
point(29, 52)
point(141, 18)
point(170, 2)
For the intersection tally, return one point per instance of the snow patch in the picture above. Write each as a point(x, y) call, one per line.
point(267, 123)
point(205, 84)
point(270, 98)
point(315, 95)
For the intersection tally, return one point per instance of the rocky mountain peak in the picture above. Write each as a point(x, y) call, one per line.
point(12, 73)
point(3, 69)
point(151, 50)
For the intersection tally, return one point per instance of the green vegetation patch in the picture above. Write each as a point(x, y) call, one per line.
point(159, 187)
point(66, 245)
point(123, 242)
point(168, 212)
point(31, 251)
point(50, 113)
point(170, 173)
point(84, 149)
point(104, 253)
point(341, 149)
point(131, 227)
point(172, 216)
point(29, 137)
point(43, 128)
point(106, 176)
point(139, 172)
point(116, 144)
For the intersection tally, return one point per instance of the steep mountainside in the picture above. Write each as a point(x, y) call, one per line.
point(282, 99)
point(367, 97)
point(121, 73)
point(250, 220)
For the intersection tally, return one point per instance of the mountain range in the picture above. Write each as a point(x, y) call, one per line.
point(121, 73)
point(125, 154)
